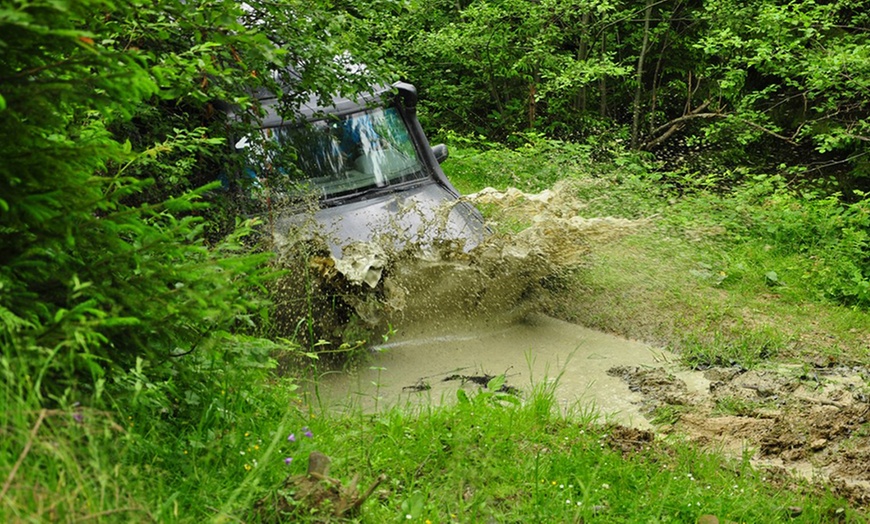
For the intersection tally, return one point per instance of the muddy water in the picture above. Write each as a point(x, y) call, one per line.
point(423, 365)
point(464, 316)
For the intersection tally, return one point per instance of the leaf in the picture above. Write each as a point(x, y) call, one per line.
point(507, 397)
point(462, 396)
point(772, 279)
point(496, 383)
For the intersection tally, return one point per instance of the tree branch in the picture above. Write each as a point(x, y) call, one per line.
point(763, 129)
point(668, 129)
point(677, 125)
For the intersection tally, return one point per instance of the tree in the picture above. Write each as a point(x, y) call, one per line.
point(674, 75)
point(106, 124)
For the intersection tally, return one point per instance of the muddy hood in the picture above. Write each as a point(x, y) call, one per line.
point(421, 216)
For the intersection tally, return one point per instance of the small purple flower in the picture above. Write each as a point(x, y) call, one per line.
point(78, 417)
point(292, 437)
point(288, 460)
point(307, 432)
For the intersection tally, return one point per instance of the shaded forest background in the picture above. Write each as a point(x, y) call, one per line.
point(704, 86)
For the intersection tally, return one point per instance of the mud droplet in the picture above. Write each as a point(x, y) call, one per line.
point(818, 444)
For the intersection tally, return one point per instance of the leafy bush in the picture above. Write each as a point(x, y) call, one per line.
point(828, 238)
point(532, 162)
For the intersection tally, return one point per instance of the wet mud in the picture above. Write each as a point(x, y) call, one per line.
point(813, 422)
point(418, 368)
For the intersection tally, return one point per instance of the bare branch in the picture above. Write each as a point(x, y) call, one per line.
point(763, 129)
point(24, 453)
point(695, 113)
point(668, 129)
point(859, 137)
point(675, 125)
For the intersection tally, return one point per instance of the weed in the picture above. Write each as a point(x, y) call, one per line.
point(667, 414)
point(746, 348)
point(725, 277)
point(735, 406)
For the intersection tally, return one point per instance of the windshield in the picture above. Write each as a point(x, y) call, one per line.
point(335, 156)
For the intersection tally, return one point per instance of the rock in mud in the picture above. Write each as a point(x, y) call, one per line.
point(657, 386)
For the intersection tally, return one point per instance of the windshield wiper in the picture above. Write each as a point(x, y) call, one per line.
point(371, 191)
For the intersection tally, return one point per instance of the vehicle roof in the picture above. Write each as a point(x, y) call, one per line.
point(313, 108)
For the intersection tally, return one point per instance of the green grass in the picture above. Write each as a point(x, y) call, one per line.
point(479, 460)
point(742, 276)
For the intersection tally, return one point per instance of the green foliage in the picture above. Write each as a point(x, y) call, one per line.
point(166, 451)
point(502, 66)
point(699, 86)
point(534, 162)
point(481, 460)
point(741, 348)
point(111, 149)
point(800, 67)
point(795, 238)
point(128, 319)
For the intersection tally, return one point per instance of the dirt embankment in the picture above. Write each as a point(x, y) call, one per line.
point(812, 421)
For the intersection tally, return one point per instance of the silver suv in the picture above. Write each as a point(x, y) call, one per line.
point(369, 166)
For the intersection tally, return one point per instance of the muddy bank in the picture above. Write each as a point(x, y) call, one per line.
point(806, 420)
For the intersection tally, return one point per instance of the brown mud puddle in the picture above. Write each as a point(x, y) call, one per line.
point(421, 367)
point(463, 318)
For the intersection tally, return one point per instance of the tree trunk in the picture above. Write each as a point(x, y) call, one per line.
point(655, 83)
point(583, 54)
point(638, 94)
point(602, 83)
point(532, 99)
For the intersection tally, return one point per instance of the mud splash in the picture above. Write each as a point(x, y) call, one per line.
point(445, 285)
point(399, 281)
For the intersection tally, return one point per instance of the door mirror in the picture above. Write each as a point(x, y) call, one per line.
point(441, 153)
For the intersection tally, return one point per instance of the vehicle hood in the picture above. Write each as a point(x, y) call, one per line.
point(421, 215)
